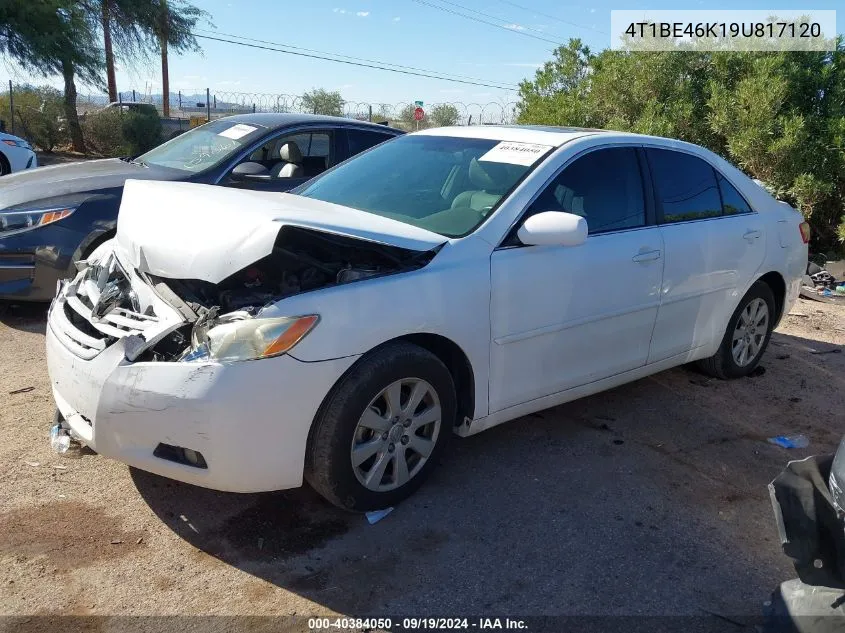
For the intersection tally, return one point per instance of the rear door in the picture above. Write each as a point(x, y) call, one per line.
point(714, 242)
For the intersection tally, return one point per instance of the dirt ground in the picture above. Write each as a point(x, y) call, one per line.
point(649, 499)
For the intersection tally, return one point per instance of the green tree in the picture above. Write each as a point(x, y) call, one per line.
point(53, 37)
point(321, 101)
point(38, 112)
point(133, 29)
point(444, 114)
point(780, 115)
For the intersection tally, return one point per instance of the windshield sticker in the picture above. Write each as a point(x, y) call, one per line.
point(237, 131)
point(515, 153)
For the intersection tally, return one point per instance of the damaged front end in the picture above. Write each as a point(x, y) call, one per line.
point(196, 320)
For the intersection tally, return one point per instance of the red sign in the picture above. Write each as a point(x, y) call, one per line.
point(419, 113)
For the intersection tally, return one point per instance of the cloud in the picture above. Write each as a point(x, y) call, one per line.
point(362, 14)
point(336, 10)
point(396, 19)
point(452, 91)
point(523, 64)
point(592, 10)
point(227, 82)
point(515, 27)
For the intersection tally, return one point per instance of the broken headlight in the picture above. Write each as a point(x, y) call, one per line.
point(239, 336)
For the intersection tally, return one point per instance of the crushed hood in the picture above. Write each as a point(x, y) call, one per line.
point(188, 231)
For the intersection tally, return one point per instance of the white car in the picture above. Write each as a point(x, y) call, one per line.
point(16, 154)
point(445, 281)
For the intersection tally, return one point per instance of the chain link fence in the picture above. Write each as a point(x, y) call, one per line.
point(185, 104)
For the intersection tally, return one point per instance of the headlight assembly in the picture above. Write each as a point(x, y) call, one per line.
point(13, 222)
point(17, 143)
point(238, 336)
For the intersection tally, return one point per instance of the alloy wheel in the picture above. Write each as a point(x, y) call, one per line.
point(396, 434)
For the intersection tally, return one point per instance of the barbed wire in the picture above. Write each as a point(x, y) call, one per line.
point(192, 102)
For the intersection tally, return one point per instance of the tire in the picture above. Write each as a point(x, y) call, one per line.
point(359, 399)
point(723, 364)
point(96, 242)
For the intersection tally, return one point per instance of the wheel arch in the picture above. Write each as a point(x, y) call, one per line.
point(775, 281)
point(6, 163)
point(449, 353)
point(458, 364)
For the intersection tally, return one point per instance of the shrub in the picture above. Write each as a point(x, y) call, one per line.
point(103, 132)
point(141, 130)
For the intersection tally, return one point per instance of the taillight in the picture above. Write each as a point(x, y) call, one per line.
point(804, 227)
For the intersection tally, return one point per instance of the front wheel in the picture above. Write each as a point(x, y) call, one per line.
point(382, 429)
point(746, 337)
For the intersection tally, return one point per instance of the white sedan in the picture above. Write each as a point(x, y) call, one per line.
point(443, 282)
point(16, 154)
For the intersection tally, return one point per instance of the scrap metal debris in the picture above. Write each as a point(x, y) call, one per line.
point(22, 390)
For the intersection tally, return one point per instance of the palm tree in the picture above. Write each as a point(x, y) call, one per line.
point(134, 28)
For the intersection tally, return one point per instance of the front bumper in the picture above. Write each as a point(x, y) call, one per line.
point(250, 420)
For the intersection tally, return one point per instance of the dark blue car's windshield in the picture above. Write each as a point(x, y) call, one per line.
point(203, 147)
point(445, 184)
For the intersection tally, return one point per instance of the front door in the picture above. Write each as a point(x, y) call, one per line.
point(566, 316)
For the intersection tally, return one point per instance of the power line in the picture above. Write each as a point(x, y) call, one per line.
point(475, 19)
point(552, 17)
point(357, 59)
point(494, 17)
point(427, 74)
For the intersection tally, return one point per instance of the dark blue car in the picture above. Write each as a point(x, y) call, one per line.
point(53, 216)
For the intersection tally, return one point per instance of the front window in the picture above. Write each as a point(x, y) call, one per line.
point(444, 184)
point(203, 147)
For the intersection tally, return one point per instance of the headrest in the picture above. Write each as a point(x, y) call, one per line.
point(491, 177)
point(289, 152)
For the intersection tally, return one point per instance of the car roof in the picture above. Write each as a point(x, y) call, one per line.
point(539, 134)
point(274, 120)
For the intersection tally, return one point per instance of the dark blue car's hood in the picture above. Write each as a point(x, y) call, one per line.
point(32, 185)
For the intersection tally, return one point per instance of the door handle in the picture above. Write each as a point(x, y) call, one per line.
point(751, 235)
point(648, 256)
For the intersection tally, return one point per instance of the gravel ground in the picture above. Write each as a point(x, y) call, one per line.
point(649, 499)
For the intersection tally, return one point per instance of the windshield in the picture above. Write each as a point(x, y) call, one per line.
point(444, 184)
point(203, 147)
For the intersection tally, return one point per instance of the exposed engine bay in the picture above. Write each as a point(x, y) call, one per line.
point(302, 260)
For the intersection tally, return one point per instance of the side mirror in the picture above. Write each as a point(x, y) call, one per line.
point(250, 171)
point(553, 228)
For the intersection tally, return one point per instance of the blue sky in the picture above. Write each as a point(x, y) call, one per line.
point(399, 31)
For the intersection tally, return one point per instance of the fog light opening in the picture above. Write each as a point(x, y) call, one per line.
point(180, 455)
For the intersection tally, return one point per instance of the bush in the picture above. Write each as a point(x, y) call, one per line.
point(141, 130)
point(103, 132)
point(38, 116)
point(111, 132)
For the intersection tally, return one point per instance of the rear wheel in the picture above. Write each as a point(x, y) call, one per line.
point(746, 337)
point(382, 429)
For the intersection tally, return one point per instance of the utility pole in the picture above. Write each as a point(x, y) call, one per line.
point(165, 75)
point(12, 107)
